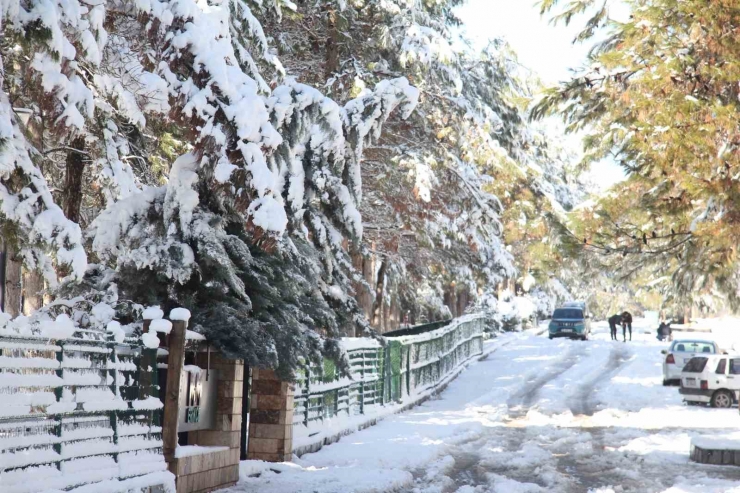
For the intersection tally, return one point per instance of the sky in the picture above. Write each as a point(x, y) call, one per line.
point(545, 49)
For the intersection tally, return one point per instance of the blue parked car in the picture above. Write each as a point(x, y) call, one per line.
point(571, 320)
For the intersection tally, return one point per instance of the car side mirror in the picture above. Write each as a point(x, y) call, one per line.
point(665, 351)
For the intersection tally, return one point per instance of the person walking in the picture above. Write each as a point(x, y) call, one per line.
point(626, 323)
point(613, 321)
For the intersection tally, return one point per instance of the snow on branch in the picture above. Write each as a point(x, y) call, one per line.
point(26, 201)
point(220, 102)
point(365, 115)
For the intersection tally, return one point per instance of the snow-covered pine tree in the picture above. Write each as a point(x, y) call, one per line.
point(31, 221)
point(302, 151)
point(431, 183)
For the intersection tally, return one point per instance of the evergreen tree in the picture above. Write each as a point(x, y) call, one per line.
point(660, 94)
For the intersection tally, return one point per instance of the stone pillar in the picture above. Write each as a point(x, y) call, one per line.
point(270, 418)
point(218, 469)
point(228, 406)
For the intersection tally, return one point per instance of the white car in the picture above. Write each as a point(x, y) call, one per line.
point(679, 353)
point(712, 379)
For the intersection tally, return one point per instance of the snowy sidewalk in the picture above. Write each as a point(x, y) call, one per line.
point(535, 416)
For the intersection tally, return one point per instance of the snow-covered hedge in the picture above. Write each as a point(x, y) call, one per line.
point(510, 314)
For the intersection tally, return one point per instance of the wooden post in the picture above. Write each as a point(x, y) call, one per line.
point(175, 362)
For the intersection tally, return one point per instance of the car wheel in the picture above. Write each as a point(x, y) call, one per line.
point(666, 383)
point(584, 338)
point(551, 338)
point(722, 399)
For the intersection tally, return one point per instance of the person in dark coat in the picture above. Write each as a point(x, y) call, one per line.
point(626, 324)
point(613, 321)
point(662, 332)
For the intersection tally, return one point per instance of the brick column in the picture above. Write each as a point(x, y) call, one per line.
point(270, 418)
point(202, 473)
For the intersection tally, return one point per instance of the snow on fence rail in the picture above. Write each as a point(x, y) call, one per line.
point(79, 411)
point(395, 373)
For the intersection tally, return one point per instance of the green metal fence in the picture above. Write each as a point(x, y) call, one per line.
point(395, 372)
point(79, 411)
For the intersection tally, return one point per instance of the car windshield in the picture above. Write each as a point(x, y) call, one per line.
point(693, 347)
point(568, 313)
point(696, 364)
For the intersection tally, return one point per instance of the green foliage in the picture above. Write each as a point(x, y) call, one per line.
point(661, 96)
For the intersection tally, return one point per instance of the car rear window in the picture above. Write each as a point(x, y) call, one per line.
point(693, 347)
point(568, 313)
point(696, 364)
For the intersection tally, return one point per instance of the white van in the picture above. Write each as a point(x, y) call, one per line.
point(712, 379)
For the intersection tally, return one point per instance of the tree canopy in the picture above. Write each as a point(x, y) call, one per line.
point(659, 95)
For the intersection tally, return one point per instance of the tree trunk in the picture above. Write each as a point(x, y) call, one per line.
point(394, 315)
point(33, 285)
point(363, 294)
point(378, 303)
point(13, 295)
point(367, 274)
point(75, 166)
point(332, 44)
point(462, 302)
point(386, 324)
point(450, 301)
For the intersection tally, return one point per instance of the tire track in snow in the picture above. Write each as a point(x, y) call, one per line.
point(523, 399)
point(582, 403)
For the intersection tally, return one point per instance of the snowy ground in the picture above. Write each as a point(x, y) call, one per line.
point(535, 416)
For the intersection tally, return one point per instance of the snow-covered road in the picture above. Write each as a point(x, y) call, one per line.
point(535, 416)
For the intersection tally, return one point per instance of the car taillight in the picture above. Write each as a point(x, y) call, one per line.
point(670, 360)
point(704, 385)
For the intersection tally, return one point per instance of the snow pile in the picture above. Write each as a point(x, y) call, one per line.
point(161, 325)
point(150, 340)
point(61, 328)
point(191, 450)
point(731, 442)
point(152, 313)
point(115, 329)
point(180, 314)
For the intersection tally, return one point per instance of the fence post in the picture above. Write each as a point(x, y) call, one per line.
point(113, 415)
point(362, 383)
point(307, 389)
point(148, 379)
point(58, 392)
point(175, 362)
point(408, 369)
